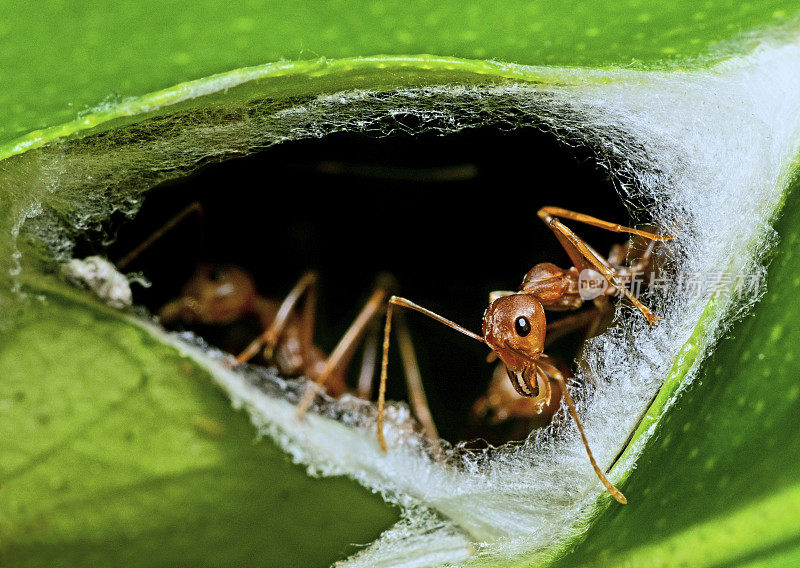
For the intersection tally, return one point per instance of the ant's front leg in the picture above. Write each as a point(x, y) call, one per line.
point(553, 372)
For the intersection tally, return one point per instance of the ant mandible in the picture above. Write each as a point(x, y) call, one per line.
point(514, 324)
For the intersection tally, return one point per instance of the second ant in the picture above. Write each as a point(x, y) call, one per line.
point(219, 296)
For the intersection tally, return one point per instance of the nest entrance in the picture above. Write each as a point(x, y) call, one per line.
point(451, 217)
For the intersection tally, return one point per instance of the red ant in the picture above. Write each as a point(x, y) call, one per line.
point(219, 295)
point(502, 402)
point(514, 324)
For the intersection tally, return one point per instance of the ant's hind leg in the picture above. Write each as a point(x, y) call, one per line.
point(306, 286)
point(584, 256)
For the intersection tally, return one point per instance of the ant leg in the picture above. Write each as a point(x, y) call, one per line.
point(397, 301)
point(643, 261)
point(546, 212)
point(558, 376)
point(306, 286)
point(345, 349)
point(368, 361)
point(618, 256)
point(366, 376)
point(416, 391)
point(618, 253)
point(195, 207)
point(583, 256)
point(387, 330)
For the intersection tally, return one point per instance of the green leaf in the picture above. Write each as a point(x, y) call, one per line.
point(68, 58)
point(721, 476)
point(117, 449)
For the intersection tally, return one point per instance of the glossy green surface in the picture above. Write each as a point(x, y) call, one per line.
point(719, 482)
point(113, 450)
point(118, 451)
point(67, 56)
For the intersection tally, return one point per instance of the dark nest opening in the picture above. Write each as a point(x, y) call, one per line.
point(451, 217)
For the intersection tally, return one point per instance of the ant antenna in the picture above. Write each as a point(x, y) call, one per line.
point(393, 301)
point(409, 304)
point(195, 207)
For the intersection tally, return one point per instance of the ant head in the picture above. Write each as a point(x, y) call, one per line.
point(217, 294)
point(514, 328)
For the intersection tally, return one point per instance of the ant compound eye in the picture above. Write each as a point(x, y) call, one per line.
point(522, 326)
point(218, 274)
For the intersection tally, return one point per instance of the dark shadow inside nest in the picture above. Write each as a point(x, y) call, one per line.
point(452, 218)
